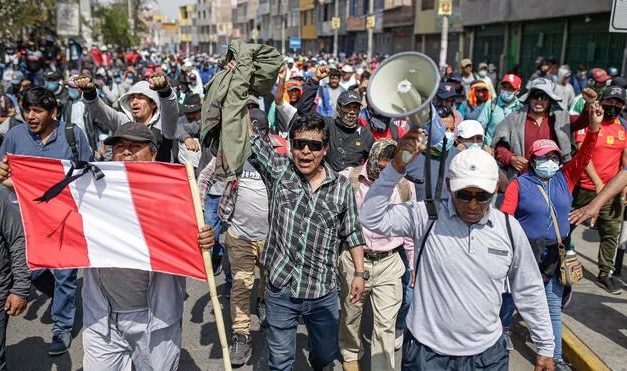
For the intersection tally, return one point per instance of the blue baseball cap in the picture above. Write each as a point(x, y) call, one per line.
point(446, 90)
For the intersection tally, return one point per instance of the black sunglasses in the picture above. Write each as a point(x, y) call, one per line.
point(444, 111)
point(538, 95)
point(467, 196)
point(314, 145)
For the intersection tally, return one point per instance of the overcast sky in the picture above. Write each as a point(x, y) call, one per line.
point(170, 8)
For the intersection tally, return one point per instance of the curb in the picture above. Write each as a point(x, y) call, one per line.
point(579, 354)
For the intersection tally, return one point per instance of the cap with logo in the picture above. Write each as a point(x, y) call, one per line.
point(513, 80)
point(614, 92)
point(541, 147)
point(446, 90)
point(348, 97)
point(473, 168)
point(132, 131)
point(468, 129)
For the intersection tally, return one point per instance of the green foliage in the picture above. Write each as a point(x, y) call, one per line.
point(26, 14)
point(115, 26)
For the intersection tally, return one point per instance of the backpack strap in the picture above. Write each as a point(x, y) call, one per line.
point(422, 248)
point(71, 140)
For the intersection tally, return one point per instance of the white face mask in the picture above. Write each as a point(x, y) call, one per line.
point(483, 73)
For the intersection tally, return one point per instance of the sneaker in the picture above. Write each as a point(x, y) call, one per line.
point(560, 365)
point(240, 350)
point(608, 284)
point(262, 314)
point(60, 343)
point(509, 344)
point(398, 341)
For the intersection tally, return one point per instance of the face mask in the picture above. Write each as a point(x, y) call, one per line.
point(73, 93)
point(15, 82)
point(610, 112)
point(473, 145)
point(130, 76)
point(450, 139)
point(583, 74)
point(52, 86)
point(483, 73)
point(118, 80)
point(507, 96)
point(546, 168)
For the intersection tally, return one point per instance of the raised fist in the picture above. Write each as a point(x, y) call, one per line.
point(158, 82)
point(84, 82)
point(322, 72)
point(589, 95)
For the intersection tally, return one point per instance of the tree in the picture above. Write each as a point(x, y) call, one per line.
point(115, 26)
point(25, 15)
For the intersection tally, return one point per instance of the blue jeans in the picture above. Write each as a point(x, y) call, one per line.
point(61, 287)
point(408, 293)
point(213, 220)
point(321, 318)
point(553, 289)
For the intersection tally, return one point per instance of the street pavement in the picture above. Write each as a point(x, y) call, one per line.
point(599, 319)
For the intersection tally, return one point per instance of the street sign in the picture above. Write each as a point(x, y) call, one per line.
point(370, 21)
point(295, 42)
point(335, 23)
point(445, 7)
point(68, 19)
point(618, 20)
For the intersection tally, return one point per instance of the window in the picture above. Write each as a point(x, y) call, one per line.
point(352, 8)
point(427, 4)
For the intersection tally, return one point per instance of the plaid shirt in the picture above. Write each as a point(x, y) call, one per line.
point(307, 230)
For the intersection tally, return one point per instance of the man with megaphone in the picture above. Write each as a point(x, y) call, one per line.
point(462, 261)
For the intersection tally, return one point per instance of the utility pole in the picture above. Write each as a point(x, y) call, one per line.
point(370, 20)
point(445, 9)
point(283, 21)
point(131, 19)
point(336, 28)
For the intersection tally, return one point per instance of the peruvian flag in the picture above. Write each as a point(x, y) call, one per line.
point(140, 216)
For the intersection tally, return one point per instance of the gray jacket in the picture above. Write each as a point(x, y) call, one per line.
point(14, 273)
point(165, 301)
point(511, 131)
point(164, 120)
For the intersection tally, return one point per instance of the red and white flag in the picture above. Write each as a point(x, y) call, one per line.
point(140, 216)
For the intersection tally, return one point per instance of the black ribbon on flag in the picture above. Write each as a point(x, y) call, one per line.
point(82, 168)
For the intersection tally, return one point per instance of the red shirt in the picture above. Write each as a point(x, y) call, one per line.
point(608, 152)
point(533, 132)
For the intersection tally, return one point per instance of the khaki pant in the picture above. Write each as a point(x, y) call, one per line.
point(385, 291)
point(243, 257)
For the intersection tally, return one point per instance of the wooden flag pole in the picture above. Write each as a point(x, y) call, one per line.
point(206, 255)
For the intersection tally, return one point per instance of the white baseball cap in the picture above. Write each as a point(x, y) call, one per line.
point(473, 168)
point(289, 60)
point(468, 129)
point(347, 69)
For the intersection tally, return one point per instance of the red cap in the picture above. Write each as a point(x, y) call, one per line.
point(599, 75)
point(513, 80)
point(541, 147)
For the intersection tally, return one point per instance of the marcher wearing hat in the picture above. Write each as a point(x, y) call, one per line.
point(599, 80)
point(447, 95)
point(467, 76)
point(563, 88)
point(188, 130)
point(464, 257)
point(53, 82)
point(525, 200)
point(383, 261)
point(540, 117)
point(506, 103)
point(477, 105)
point(610, 155)
point(133, 317)
point(469, 134)
point(482, 75)
point(348, 77)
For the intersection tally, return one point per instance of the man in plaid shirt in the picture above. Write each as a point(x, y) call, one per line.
point(313, 215)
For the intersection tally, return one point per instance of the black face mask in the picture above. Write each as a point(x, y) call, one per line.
point(610, 112)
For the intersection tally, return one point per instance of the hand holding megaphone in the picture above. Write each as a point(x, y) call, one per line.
point(409, 146)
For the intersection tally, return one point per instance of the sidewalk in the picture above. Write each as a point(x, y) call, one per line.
point(596, 317)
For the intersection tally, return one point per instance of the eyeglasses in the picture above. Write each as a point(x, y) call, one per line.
point(444, 111)
point(314, 145)
point(553, 157)
point(538, 95)
point(467, 196)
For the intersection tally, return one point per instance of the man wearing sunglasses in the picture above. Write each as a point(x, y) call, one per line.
point(463, 260)
point(540, 117)
point(313, 216)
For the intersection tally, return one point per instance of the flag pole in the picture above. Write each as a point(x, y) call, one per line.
point(206, 255)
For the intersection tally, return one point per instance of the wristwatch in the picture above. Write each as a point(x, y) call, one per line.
point(365, 275)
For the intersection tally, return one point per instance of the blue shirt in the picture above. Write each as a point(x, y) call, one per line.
point(21, 141)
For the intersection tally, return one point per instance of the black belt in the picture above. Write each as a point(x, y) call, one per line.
point(378, 255)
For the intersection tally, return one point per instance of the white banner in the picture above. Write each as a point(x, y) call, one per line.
point(68, 19)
